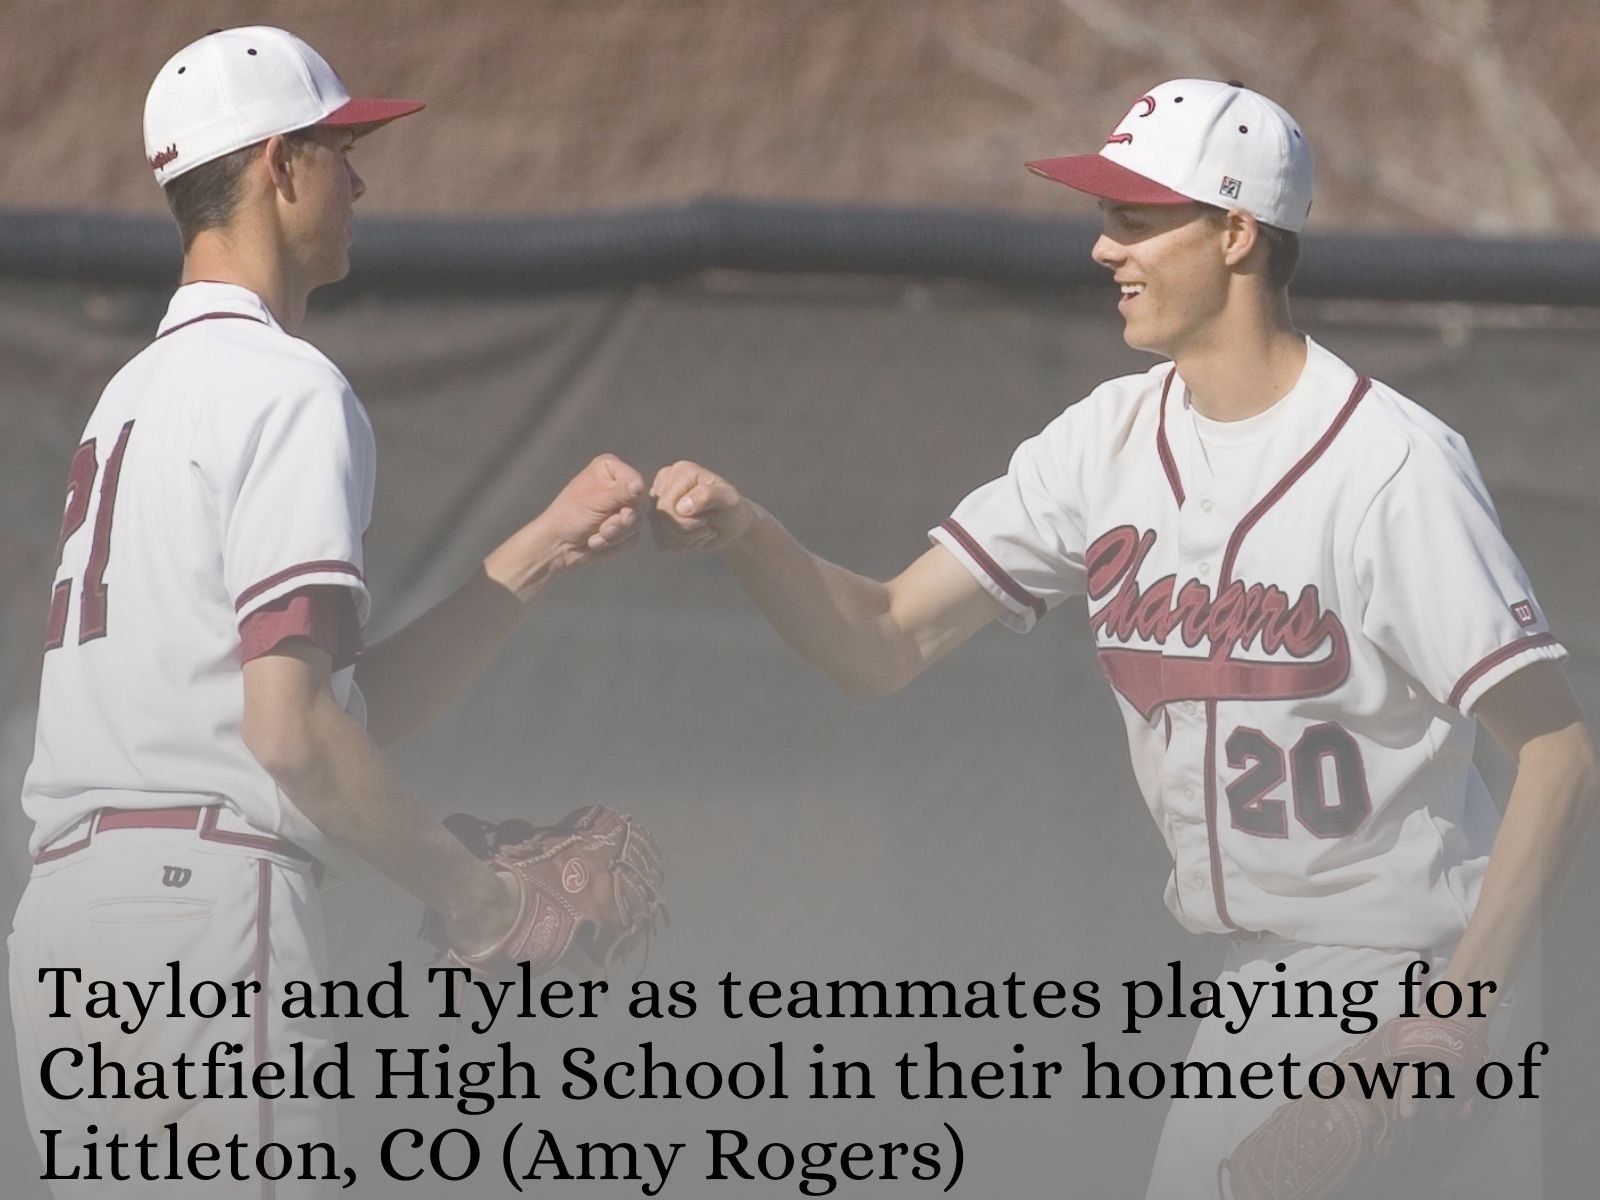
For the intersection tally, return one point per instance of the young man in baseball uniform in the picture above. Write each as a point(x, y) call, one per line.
point(202, 747)
point(1300, 595)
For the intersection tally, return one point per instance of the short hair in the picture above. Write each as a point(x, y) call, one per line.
point(204, 197)
point(1283, 247)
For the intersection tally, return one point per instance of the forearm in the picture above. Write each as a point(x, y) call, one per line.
point(334, 773)
point(1552, 802)
point(410, 677)
point(838, 621)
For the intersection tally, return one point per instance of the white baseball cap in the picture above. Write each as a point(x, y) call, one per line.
point(1197, 139)
point(235, 87)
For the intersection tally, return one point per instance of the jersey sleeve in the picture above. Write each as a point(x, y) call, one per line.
point(293, 480)
point(324, 616)
point(1444, 595)
point(1022, 535)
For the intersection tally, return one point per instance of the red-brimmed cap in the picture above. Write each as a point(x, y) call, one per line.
point(1204, 141)
point(1109, 180)
point(235, 87)
point(371, 112)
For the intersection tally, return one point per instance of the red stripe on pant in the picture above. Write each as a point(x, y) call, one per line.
point(263, 1003)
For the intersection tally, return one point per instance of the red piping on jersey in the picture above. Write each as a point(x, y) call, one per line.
point(1163, 448)
point(211, 316)
point(332, 566)
point(1213, 842)
point(263, 1002)
point(1363, 384)
point(1288, 481)
point(995, 571)
point(1532, 642)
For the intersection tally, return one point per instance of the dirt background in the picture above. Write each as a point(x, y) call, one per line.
point(1427, 114)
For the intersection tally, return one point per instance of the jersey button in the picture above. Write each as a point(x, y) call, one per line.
point(1205, 505)
point(1205, 568)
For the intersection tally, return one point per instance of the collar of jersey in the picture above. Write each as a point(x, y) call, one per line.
point(206, 298)
point(1319, 367)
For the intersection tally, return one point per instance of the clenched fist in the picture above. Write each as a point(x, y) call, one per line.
point(594, 516)
point(696, 509)
point(597, 511)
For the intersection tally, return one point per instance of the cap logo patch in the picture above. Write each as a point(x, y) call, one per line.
point(1142, 107)
point(1522, 610)
point(162, 157)
point(1230, 187)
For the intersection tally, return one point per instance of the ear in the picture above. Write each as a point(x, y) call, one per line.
point(278, 154)
point(1241, 234)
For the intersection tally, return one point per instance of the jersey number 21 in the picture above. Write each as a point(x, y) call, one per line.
point(92, 599)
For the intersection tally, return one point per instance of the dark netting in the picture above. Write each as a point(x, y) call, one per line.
point(548, 253)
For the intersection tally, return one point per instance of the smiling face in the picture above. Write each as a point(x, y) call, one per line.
point(1169, 262)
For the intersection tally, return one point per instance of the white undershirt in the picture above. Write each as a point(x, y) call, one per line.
point(1236, 459)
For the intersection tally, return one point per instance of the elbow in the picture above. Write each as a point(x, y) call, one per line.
point(859, 680)
point(887, 667)
point(285, 749)
point(858, 688)
point(1583, 766)
point(1568, 759)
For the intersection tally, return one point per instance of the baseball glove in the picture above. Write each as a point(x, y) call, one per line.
point(589, 886)
point(1352, 1147)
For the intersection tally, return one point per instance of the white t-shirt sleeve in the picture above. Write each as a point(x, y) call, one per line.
point(1444, 595)
point(1022, 535)
point(293, 479)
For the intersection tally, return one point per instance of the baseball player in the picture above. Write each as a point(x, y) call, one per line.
point(1300, 595)
point(202, 745)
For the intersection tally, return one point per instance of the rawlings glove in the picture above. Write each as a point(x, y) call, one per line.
point(1350, 1146)
point(589, 888)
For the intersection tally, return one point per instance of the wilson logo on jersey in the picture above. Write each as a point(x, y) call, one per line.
point(1241, 617)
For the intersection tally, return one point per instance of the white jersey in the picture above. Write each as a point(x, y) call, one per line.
point(1297, 615)
point(225, 466)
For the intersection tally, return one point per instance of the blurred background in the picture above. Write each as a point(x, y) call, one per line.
point(1458, 115)
point(795, 241)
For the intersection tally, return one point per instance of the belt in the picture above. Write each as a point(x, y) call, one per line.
point(1252, 935)
point(204, 819)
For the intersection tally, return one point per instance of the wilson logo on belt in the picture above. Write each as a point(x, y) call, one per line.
point(176, 876)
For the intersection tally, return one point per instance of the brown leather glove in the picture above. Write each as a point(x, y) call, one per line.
point(589, 889)
point(1351, 1146)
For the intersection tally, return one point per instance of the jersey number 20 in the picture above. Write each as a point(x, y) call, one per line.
point(92, 600)
point(1263, 762)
